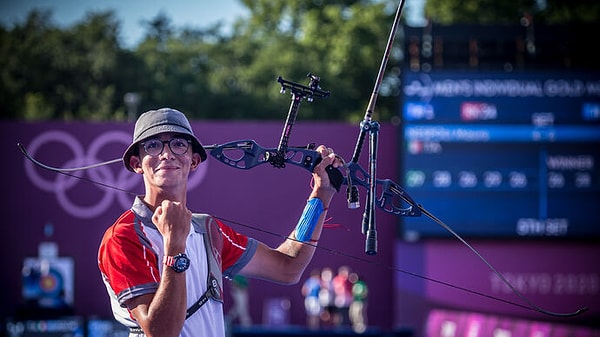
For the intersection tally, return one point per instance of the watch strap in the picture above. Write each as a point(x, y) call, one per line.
point(168, 260)
point(174, 262)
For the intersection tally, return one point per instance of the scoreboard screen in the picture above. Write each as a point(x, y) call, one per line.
point(502, 154)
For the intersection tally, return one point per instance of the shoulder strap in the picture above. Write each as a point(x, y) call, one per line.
point(213, 241)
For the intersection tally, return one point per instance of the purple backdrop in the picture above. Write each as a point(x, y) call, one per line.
point(266, 198)
point(558, 276)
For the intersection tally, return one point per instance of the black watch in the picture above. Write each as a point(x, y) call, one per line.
point(179, 263)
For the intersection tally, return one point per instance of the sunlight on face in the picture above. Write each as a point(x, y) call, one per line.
point(167, 169)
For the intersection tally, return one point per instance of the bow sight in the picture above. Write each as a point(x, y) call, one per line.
point(299, 92)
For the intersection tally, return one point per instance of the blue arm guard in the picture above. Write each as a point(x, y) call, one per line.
point(308, 221)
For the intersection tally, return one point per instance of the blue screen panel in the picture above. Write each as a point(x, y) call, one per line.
point(502, 154)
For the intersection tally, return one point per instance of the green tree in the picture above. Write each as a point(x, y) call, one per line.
point(82, 72)
point(447, 12)
point(566, 12)
point(67, 74)
point(340, 41)
point(212, 76)
point(25, 66)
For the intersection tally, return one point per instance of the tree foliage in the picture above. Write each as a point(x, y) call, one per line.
point(49, 73)
point(82, 72)
point(512, 12)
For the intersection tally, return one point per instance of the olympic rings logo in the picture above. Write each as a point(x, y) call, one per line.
point(61, 184)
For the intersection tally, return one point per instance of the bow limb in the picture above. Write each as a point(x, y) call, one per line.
point(63, 170)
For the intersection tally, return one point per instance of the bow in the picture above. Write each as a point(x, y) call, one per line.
point(246, 154)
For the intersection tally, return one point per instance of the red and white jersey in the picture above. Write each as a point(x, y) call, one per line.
point(130, 260)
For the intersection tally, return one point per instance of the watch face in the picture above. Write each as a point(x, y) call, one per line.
point(181, 264)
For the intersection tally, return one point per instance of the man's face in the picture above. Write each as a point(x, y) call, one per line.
point(167, 159)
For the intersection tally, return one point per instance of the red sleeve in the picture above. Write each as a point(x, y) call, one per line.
point(234, 245)
point(128, 265)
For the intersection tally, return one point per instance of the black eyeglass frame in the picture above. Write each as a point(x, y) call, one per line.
point(171, 142)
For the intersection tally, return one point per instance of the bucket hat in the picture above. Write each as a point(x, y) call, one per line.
point(154, 122)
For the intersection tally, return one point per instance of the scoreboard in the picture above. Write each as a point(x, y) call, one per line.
point(502, 154)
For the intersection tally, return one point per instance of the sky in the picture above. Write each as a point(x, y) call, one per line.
point(130, 13)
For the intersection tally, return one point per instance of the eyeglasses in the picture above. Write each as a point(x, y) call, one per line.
point(154, 147)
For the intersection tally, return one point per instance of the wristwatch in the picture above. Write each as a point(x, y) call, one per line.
point(179, 263)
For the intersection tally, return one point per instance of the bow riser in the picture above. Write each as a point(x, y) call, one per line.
point(246, 154)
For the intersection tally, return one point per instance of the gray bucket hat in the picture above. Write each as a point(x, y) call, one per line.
point(153, 122)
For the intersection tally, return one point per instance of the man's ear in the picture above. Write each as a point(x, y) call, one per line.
point(196, 160)
point(135, 164)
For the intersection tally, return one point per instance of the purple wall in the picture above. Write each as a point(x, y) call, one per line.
point(266, 198)
point(557, 276)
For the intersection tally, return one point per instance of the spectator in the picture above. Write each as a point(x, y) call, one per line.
point(239, 294)
point(342, 288)
point(358, 308)
point(310, 291)
point(326, 296)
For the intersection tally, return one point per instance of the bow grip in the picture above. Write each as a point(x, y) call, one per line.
point(335, 176)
